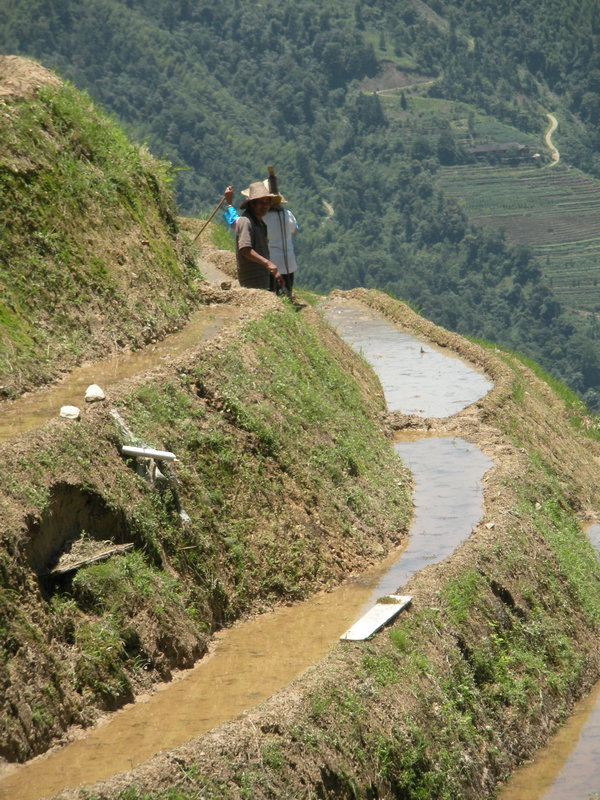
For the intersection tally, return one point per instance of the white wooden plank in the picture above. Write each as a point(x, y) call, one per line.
point(148, 452)
point(376, 617)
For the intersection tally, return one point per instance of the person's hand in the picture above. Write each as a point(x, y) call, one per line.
point(228, 194)
point(275, 273)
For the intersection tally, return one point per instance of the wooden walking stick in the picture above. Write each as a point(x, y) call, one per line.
point(209, 219)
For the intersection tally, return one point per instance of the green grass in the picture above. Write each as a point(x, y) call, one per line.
point(580, 417)
point(275, 408)
point(422, 116)
point(461, 595)
point(80, 193)
point(96, 618)
point(222, 238)
point(574, 552)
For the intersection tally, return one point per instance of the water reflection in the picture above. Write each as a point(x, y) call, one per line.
point(448, 502)
point(416, 377)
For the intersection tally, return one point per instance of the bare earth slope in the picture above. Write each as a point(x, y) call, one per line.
point(20, 77)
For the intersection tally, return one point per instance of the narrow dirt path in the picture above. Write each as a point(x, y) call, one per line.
point(548, 139)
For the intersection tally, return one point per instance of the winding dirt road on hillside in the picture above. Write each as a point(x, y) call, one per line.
point(548, 139)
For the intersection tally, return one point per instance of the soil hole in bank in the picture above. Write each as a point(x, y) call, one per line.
point(75, 527)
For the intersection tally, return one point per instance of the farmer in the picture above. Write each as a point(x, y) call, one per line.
point(281, 226)
point(254, 268)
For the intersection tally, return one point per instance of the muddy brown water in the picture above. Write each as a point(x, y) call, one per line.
point(568, 768)
point(34, 409)
point(250, 661)
point(253, 659)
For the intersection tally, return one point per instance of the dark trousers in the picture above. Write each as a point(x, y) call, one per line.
point(288, 282)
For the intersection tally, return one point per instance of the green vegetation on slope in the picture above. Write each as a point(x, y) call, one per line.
point(470, 679)
point(307, 393)
point(283, 470)
point(89, 256)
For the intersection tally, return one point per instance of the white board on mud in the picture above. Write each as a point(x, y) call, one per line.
point(376, 617)
point(148, 452)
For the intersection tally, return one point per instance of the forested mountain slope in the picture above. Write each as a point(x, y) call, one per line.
point(356, 105)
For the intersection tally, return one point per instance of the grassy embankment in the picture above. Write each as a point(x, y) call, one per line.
point(284, 471)
point(90, 258)
point(499, 641)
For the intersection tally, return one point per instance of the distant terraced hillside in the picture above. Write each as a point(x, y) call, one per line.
point(553, 209)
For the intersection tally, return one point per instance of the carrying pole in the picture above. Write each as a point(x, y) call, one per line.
point(273, 188)
point(209, 219)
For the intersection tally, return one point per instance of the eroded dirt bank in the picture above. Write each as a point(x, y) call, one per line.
point(285, 483)
point(499, 641)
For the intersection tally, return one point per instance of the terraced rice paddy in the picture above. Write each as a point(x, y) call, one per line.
point(554, 209)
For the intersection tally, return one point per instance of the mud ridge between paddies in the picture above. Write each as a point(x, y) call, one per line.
point(287, 481)
point(499, 641)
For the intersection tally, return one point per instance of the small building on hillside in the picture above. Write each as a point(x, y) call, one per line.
point(510, 152)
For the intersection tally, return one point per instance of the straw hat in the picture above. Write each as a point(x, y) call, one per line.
point(276, 199)
point(256, 191)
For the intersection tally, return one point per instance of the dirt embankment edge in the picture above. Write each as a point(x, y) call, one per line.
point(248, 414)
point(499, 642)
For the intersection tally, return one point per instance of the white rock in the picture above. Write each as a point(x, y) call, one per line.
point(93, 393)
point(70, 412)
